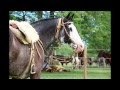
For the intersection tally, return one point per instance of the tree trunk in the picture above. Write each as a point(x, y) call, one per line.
point(23, 17)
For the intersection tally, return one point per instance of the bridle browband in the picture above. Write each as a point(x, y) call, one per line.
point(61, 24)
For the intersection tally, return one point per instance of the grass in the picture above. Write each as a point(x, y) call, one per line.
point(92, 73)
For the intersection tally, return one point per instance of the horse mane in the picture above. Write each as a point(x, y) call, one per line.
point(43, 20)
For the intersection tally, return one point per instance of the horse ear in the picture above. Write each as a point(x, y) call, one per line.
point(68, 16)
point(71, 18)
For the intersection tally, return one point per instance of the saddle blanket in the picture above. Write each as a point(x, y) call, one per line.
point(24, 31)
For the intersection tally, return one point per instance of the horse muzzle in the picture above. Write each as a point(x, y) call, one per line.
point(77, 47)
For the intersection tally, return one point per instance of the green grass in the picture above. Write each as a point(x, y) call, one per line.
point(92, 73)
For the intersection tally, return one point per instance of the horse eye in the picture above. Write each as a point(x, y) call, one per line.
point(70, 29)
point(69, 23)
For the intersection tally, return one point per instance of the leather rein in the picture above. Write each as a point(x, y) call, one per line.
point(59, 26)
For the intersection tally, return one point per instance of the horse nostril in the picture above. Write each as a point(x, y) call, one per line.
point(81, 46)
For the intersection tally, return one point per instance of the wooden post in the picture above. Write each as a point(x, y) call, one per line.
point(85, 62)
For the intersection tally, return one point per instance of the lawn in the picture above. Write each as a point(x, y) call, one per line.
point(92, 73)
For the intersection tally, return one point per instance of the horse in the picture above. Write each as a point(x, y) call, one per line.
point(49, 31)
point(76, 62)
point(105, 55)
point(89, 59)
point(62, 30)
point(24, 61)
point(101, 61)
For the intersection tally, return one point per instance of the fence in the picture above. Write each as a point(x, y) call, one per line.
point(85, 64)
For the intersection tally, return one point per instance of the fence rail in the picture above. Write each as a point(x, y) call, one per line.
point(85, 60)
point(97, 49)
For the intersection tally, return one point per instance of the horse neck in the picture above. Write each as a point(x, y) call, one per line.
point(103, 54)
point(107, 55)
point(46, 30)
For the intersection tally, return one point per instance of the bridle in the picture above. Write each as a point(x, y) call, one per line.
point(61, 24)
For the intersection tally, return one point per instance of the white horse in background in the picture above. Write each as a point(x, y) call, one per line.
point(101, 62)
point(76, 62)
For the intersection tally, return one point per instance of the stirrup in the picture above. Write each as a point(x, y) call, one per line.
point(32, 72)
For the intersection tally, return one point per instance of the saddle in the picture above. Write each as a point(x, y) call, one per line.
point(23, 31)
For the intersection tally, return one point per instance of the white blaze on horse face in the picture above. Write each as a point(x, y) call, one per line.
point(76, 38)
point(62, 36)
point(62, 39)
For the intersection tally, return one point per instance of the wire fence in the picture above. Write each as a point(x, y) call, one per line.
point(94, 69)
point(98, 49)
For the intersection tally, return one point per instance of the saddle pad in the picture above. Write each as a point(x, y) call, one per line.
point(30, 35)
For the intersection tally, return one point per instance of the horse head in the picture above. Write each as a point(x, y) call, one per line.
point(69, 34)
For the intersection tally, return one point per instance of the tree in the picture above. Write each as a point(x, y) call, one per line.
point(23, 15)
point(39, 14)
point(52, 14)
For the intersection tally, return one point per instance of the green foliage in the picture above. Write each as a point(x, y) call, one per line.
point(23, 15)
point(64, 50)
point(39, 14)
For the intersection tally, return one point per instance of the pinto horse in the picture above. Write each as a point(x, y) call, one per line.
point(107, 57)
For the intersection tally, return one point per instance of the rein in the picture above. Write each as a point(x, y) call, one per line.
point(59, 25)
